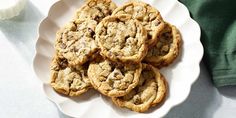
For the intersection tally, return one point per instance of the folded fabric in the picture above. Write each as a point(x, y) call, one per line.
point(217, 19)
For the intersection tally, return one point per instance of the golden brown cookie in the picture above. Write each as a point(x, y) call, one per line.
point(150, 91)
point(96, 10)
point(122, 38)
point(113, 79)
point(76, 41)
point(166, 49)
point(71, 81)
point(149, 17)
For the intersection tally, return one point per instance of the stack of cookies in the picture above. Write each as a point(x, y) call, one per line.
point(116, 50)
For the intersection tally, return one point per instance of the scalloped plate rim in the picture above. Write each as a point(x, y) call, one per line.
point(196, 25)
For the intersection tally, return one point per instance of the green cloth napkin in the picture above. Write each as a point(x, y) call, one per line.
point(217, 19)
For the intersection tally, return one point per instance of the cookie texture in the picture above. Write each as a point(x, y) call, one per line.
point(76, 41)
point(149, 17)
point(71, 81)
point(95, 10)
point(122, 38)
point(150, 91)
point(166, 50)
point(113, 79)
point(116, 51)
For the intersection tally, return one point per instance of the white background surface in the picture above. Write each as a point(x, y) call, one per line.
point(22, 95)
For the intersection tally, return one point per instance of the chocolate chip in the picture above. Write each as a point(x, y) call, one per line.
point(63, 63)
point(91, 31)
point(63, 46)
point(96, 18)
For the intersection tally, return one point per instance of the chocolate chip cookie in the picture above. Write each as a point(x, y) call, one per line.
point(96, 10)
point(150, 91)
point(166, 49)
point(71, 81)
point(76, 41)
point(122, 39)
point(149, 17)
point(112, 79)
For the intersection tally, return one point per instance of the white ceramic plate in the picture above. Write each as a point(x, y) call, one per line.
point(180, 75)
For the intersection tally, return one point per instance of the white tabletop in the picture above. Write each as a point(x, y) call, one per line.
point(22, 95)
